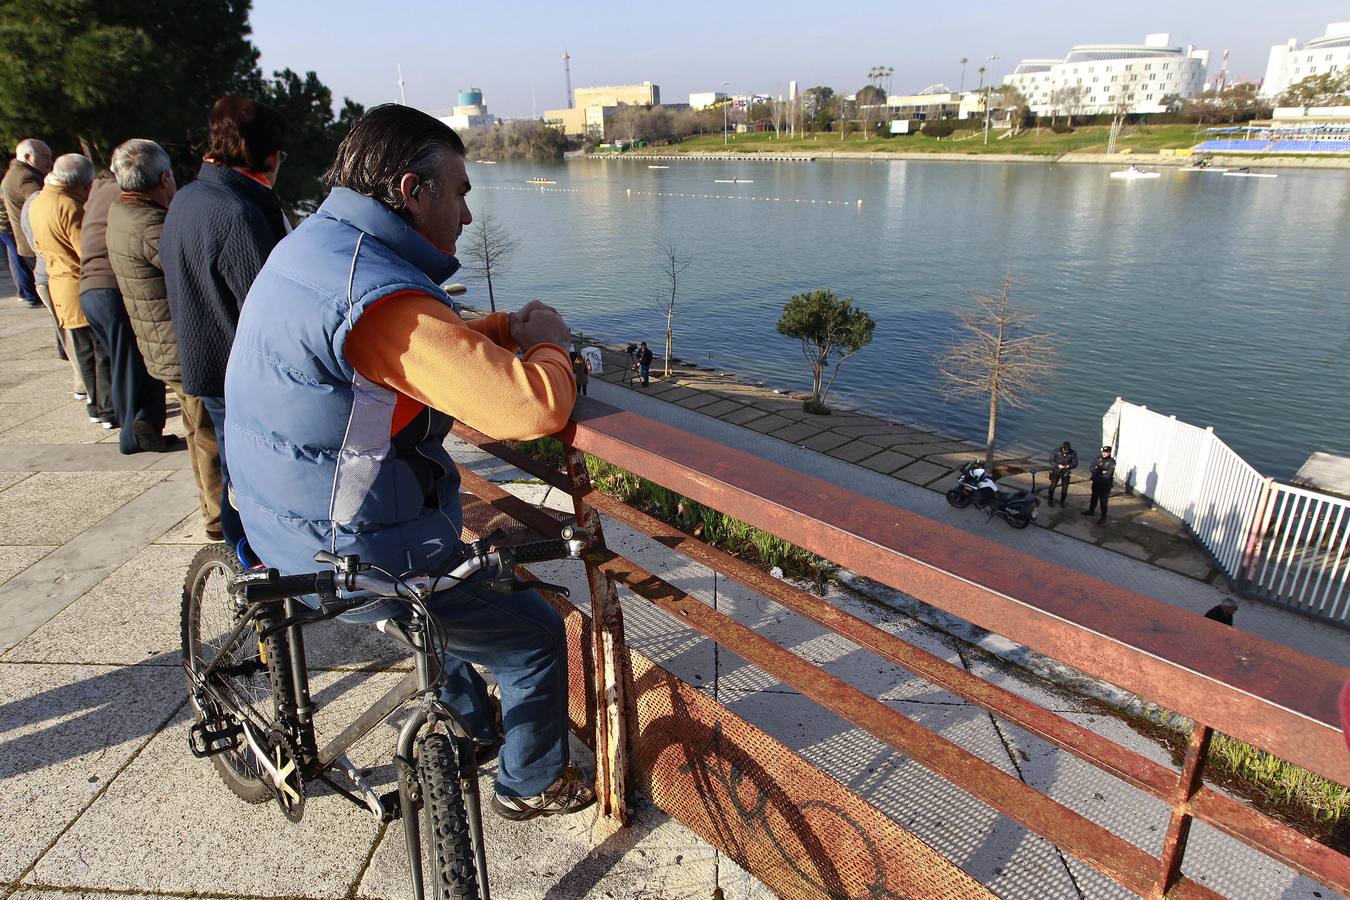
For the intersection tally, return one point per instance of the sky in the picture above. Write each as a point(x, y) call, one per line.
point(513, 49)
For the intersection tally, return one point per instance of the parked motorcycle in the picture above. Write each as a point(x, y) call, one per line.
point(975, 485)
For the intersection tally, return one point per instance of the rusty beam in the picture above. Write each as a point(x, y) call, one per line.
point(610, 654)
point(1253, 689)
point(1179, 825)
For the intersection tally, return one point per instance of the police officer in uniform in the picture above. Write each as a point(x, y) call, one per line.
point(1102, 473)
point(1062, 462)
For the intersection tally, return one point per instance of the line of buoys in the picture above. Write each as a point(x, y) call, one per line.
point(632, 193)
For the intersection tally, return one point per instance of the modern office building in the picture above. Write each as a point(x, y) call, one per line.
point(1101, 77)
point(470, 112)
point(595, 106)
point(1290, 64)
point(926, 106)
point(705, 99)
point(644, 94)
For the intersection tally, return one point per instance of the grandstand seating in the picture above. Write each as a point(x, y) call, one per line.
point(1240, 145)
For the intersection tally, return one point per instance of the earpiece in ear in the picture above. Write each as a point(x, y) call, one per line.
point(415, 188)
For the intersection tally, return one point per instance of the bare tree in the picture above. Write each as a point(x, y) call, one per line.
point(1074, 98)
point(489, 246)
point(672, 266)
point(997, 358)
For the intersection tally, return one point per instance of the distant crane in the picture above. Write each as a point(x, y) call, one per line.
point(567, 74)
point(402, 97)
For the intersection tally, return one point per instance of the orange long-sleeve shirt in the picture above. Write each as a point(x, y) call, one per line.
point(419, 348)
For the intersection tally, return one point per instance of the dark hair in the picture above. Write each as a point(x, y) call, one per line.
point(385, 144)
point(244, 132)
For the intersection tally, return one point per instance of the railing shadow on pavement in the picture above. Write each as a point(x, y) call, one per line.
point(1254, 690)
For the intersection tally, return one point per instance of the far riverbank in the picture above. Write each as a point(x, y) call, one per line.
point(1117, 159)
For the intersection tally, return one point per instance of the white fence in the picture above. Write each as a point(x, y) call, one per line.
point(1276, 541)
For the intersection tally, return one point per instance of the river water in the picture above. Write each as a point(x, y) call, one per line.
point(1224, 301)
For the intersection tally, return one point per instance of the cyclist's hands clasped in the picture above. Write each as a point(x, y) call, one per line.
point(538, 323)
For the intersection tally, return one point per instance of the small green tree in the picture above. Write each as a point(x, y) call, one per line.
point(827, 326)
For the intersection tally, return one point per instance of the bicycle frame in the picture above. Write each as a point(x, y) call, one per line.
point(296, 714)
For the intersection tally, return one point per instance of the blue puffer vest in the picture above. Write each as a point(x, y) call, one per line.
point(312, 459)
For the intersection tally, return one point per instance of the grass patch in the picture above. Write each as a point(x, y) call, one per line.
point(703, 522)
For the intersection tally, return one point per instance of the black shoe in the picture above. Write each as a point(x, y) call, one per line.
point(1087, 512)
point(152, 441)
point(1052, 501)
point(1102, 520)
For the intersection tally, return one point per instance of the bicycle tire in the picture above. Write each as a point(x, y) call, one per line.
point(444, 823)
point(204, 597)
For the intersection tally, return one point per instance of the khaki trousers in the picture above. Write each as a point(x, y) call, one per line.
point(205, 456)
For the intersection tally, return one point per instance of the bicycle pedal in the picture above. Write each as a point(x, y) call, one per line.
point(207, 738)
point(390, 806)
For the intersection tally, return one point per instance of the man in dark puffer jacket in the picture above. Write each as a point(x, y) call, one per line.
point(216, 237)
point(135, 221)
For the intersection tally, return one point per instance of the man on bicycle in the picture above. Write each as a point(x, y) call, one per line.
point(348, 367)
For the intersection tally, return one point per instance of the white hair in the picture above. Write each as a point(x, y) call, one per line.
point(139, 164)
point(71, 169)
point(28, 148)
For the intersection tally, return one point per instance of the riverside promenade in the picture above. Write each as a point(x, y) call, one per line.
point(101, 796)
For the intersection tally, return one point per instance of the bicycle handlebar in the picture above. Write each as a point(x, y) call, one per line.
point(270, 585)
point(263, 587)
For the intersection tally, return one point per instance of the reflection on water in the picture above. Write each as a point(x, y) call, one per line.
point(1221, 300)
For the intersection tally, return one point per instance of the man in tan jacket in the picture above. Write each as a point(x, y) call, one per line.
point(56, 216)
point(135, 222)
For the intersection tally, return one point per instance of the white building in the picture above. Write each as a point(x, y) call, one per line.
point(1289, 65)
point(471, 112)
point(705, 99)
point(1101, 77)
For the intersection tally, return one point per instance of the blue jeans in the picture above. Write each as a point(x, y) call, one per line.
point(519, 637)
point(230, 525)
point(20, 269)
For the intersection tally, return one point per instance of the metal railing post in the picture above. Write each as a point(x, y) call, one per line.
point(1179, 827)
point(1260, 522)
point(610, 655)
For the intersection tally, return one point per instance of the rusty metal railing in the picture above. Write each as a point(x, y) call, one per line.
point(804, 834)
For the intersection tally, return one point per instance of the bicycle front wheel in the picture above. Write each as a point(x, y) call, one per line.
point(445, 826)
point(253, 675)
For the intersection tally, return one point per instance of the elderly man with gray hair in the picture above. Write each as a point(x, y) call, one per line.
point(135, 222)
point(137, 399)
point(32, 160)
point(57, 217)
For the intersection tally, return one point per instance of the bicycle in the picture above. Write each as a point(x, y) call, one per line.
point(244, 656)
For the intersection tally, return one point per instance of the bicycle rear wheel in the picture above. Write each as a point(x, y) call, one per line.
point(253, 676)
point(444, 824)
